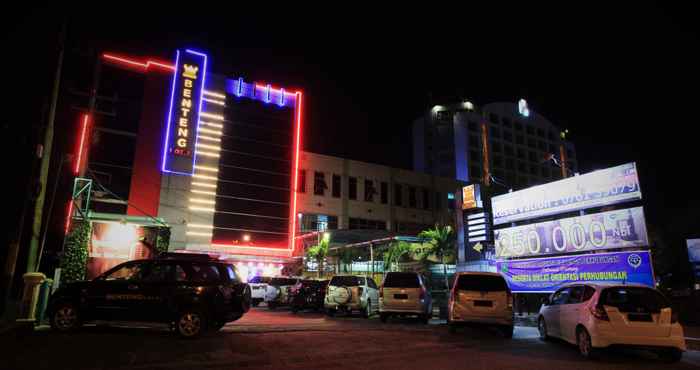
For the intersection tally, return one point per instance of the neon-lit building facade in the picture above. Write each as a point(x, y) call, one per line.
point(216, 158)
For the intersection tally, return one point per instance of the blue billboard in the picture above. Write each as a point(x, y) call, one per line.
point(545, 275)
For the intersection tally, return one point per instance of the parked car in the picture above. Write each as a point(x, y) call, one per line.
point(258, 288)
point(481, 298)
point(308, 294)
point(594, 316)
point(191, 292)
point(405, 294)
point(277, 292)
point(350, 293)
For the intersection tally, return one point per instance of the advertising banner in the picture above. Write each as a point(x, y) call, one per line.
point(471, 197)
point(183, 116)
point(693, 250)
point(112, 243)
point(544, 275)
point(624, 228)
point(598, 188)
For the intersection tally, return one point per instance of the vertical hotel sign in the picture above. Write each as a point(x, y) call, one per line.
point(183, 116)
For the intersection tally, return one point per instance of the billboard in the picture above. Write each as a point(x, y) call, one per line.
point(471, 197)
point(693, 250)
point(183, 115)
point(112, 243)
point(598, 188)
point(623, 228)
point(544, 275)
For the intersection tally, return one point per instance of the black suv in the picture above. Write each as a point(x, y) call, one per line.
point(191, 292)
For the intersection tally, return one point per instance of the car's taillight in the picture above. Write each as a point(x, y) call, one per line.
point(381, 292)
point(599, 313)
point(509, 298)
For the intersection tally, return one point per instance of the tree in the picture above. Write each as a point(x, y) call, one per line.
point(318, 253)
point(397, 252)
point(442, 243)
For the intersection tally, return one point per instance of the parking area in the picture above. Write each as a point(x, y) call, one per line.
point(274, 339)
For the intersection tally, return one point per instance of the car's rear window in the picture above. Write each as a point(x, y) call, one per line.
point(482, 283)
point(401, 280)
point(345, 281)
point(258, 280)
point(633, 299)
point(282, 281)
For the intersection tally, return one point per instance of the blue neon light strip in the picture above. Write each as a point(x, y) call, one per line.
point(166, 143)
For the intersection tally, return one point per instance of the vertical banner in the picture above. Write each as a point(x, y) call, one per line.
point(183, 115)
point(543, 275)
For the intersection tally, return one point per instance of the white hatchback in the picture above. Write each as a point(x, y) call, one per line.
point(595, 316)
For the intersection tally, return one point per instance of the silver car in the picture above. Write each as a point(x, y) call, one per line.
point(350, 293)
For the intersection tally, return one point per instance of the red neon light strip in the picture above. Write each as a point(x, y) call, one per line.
point(142, 65)
point(296, 170)
point(264, 87)
point(70, 215)
point(79, 156)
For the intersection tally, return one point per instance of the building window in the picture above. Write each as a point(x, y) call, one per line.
point(444, 115)
point(520, 139)
point(506, 121)
point(426, 198)
point(521, 153)
point(530, 130)
point(336, 186)
point(521, 167)
point(301, 185)
point(475, 155)
point(533, 170)
point(398, 195)
point(518, 126)
point(507, 135)
point(319, 183)
point(369, 191)
point(542, 146)
point(540, 132)
point(364, 224)
point(495, 132)
point(493, 117)
point(474, 172)
point(384, 188)
point(510, 164)
point(532, 143)
point(473, 141)
point(438, 200)
point(533, 156)
point(473, 126)
point(495, 147)
point(497, 161)
point(508, 150)
point(545, 172)
point(352, 188)
point(412, 197)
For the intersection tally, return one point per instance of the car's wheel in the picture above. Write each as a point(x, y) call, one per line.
point(330, 312)
point(583, 340)
point(542, 328)
point(190, 323)
point(295, 309)
point(368, 310)
point(671, 355)
point(65, 317)
point(271, 305)
point(383, 317)
point(508, 331)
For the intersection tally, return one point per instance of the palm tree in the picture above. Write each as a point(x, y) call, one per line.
point(396, 252)
point(318, 253)
point(442, 243)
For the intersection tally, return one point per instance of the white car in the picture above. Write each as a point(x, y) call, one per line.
point(351, 293)
point(595, 316)
point(277, 292)
point(258, 288)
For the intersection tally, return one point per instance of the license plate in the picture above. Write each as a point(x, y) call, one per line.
point(643, 317)
point(483, 303)
point(400, 296)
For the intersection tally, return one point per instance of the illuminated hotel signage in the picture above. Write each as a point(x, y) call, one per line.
point(183, 116)
point(471, 197)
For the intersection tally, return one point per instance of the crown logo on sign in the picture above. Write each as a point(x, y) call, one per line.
point(190, 71)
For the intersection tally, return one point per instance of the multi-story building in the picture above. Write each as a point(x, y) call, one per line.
point(339, 193)
point(507, 141)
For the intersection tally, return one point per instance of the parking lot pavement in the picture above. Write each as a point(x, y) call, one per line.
point(279, 339)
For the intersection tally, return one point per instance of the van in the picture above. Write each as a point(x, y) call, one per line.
point(481, 298)
point(405, 294)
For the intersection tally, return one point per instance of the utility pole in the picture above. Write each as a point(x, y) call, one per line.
point(46, 158)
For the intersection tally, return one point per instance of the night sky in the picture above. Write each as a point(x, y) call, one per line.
point(622, 78)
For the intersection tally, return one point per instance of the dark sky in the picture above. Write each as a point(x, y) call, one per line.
point(622, 78)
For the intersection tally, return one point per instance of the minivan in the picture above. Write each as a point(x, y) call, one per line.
point(405, 294)
point(481, 298)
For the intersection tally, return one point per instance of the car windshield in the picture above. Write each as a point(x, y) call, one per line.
point(345, 281)
point(282, 281)
point(482, 283)
point(633, 299)
point(401, 280)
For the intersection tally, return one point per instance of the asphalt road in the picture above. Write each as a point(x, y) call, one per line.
point(266, 339)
